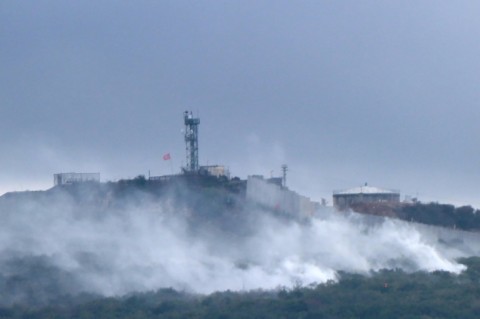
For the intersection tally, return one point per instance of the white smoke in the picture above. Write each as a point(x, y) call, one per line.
point(152, 245)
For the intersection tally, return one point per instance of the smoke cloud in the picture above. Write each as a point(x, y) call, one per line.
point(51, 243)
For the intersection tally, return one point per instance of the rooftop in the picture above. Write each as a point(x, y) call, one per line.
point(366, 190)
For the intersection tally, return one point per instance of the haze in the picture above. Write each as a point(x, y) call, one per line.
point(72, 240)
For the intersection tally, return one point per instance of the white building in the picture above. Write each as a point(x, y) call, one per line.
point(270, 194)
point(215, 170)
point(72, 178)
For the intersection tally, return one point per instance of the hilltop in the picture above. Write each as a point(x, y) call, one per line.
point(204, 199)
point(219, 199)
point(435, 214)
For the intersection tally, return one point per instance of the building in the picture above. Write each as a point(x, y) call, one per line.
point(269, 193)
point(344, 199)
point(215, 170)
point(72, 178)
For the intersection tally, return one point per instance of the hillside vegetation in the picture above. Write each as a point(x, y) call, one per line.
point(385, 294)
point(36, 283)
point(444, 215)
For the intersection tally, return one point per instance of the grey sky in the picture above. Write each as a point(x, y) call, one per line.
point(344, 92)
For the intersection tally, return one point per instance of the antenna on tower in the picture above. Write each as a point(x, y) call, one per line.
point(284, 178)
point(191, 141)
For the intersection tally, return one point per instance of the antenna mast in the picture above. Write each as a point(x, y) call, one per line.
point(191, 141)
point(284, 170)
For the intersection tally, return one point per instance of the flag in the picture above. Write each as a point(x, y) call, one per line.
point(167, 157)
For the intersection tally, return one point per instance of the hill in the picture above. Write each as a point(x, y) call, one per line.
point(444, 215)
point(100, 247)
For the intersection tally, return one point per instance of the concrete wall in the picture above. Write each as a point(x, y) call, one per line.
point(273, 196)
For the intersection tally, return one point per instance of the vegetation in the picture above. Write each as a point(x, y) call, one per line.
point(384, 294)
point(464, 217)
point(444, 215)
point(35, 288)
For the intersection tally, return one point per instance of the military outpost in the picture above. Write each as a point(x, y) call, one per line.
point(270, 193)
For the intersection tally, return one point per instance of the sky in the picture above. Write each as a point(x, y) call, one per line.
point(343, 92)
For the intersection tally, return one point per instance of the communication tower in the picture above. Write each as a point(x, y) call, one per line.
point(191, 141)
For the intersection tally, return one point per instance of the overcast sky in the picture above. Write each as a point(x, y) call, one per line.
point(344, 92)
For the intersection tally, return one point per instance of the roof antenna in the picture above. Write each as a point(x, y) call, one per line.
point(284, 177)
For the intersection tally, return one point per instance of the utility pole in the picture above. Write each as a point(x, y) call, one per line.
point(284, 179)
